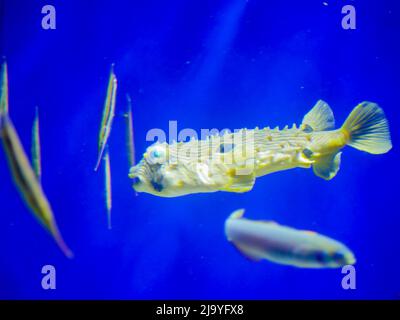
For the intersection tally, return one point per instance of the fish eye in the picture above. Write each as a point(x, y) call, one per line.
point(156, 155)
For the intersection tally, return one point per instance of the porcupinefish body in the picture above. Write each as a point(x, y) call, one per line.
point(232, 161)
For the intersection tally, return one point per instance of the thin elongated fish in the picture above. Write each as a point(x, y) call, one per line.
point(4, 89)
point(259, 240)
point(233, 161)
point(108, 190)
point(26, 181)
point(108, 115)
point(130, 133)
point(36, 149)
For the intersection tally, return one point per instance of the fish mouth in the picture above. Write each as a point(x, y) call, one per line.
point(136, 182)
point(145, 178)
point(141, 175)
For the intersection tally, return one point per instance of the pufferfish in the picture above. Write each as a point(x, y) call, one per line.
point(232, 161)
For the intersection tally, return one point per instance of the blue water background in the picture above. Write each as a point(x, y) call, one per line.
point(206, 64)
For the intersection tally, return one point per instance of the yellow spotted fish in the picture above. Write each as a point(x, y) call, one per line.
point(232, 162)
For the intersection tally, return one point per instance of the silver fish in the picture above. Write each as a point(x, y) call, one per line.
point(284, 245)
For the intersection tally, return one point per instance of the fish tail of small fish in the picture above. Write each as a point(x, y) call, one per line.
point(99, 157)
point(55, 232)
point(367, 129)
point(130, 133)
point(109, 223)
point(108, 190)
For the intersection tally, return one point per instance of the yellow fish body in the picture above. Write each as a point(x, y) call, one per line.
point(231, 162)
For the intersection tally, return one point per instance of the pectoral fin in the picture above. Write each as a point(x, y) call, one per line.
point(327, 166)
point(241, 183)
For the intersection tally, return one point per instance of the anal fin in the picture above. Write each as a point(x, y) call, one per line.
point(326, 167)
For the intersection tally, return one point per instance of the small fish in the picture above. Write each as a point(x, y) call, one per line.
point(26, 181)
point(36, 149)
point(4, 89)
point(259, 240)
point(108, 115)
point(108, 190)
point(130, 133)
point(233, 161)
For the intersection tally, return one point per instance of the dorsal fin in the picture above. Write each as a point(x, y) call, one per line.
point(319, 118)
point(309, 232)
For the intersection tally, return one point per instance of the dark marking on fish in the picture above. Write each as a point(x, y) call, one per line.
point(307, 128)
point(157, 186)
point(308, 153)
point(226, 147)
point(321, 257)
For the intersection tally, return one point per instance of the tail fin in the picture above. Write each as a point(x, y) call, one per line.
point(368, 129)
